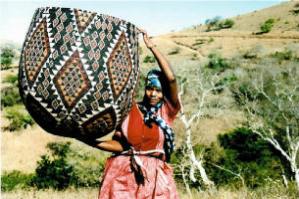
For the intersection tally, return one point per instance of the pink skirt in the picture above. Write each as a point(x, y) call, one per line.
point(119, 180)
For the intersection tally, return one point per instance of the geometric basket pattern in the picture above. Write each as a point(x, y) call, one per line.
point(78, 71)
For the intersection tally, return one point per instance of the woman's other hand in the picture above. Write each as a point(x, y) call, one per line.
point(148, 42)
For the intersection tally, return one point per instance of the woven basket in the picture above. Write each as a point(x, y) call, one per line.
point(78, 71)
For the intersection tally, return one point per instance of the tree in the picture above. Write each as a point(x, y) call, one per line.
point(7, 55)
point(212, 22)
point(271, 102)
point(189, 164)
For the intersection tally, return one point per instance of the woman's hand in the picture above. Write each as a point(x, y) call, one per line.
point(148, 42)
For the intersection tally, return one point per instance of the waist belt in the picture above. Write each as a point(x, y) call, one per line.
point(136, 164)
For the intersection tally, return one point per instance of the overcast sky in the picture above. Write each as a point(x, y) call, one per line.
point(157, 17)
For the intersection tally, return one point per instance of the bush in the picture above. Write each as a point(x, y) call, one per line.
point(216, 62)
point(246, 153)
point(228, 23)
point(174, 51)
point(194, 57)
point(216, 24)
point(10, 96)
point(250, 54)
point(15, 179)
point(7, 55)
point(267, 26)
point(149, 59)
point(18, 117)
point(284, 55)
point(295, 11)
point(211, 39)
point(54, 171)
point(212, 22)
point(225, 81)
point(65, 167)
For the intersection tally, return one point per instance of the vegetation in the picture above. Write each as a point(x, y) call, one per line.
point(54, 172)
point(267, 26)
point(15, 180)
point(149, 59)
point(295, 10)
point(11, 79)
point(218, 63)
point(18, 117)
point(7, 55)
point(64, 167)
point(247, 155)
point(211, 23)
point(174, 51)
point(227, 23)
point(10, 96)
point(283, 55)
point(216, 23)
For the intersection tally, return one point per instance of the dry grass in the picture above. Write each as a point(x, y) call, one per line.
point(92, 193)
point(87, 193)
point(21, 150)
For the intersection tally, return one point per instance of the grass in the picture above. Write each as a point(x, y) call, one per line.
point(18, 117)
point(269, 192)
point(11, 79)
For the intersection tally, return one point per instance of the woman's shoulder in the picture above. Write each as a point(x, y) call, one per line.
point(169, 110)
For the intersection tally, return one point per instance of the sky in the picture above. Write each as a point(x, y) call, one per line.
point(157, 17)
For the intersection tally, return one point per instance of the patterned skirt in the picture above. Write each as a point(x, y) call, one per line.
point(119, 180)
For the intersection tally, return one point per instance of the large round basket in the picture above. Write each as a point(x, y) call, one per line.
point(78, 71)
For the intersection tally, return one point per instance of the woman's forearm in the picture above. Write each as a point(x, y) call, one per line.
point(110, 146)
point(163, 64)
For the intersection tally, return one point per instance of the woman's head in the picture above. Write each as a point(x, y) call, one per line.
point(154, 87)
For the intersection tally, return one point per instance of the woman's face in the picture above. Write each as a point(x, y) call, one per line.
point(154, 95)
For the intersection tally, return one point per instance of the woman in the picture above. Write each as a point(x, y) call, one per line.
point(144, 141)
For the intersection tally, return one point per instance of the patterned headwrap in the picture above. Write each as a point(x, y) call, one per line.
point(152, 80)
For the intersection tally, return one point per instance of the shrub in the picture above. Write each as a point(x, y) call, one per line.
point(54, 171)
point(194, 57)
point(10, 96)
point(212, 22)
point(245, 91)
point(295, 11)
point(88, 167)
point(88, 176)
point(225, 81)
point(216, 62)
point(228, 23)
point(246, 153)
point(284, 55)
point(65, 167)
point(250, 55)
point(267, 26)
point(15, 179)
point(149, 59)
point(174, 51)
point(7, 55)
point(211, 39)
point(18, 117)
